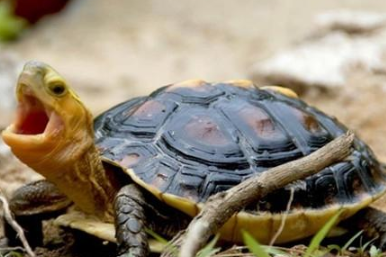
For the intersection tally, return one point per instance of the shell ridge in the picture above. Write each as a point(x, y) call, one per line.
point(104, 123)
point(337, 171)
point(330, 124)
point(283, 117)
point(363, 175)
point(168, 117)
point(172, 178)
point(242, 142)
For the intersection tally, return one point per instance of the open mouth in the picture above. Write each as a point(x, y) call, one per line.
point(32, 117)
point(35, 121)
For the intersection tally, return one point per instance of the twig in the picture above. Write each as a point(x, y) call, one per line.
point(15, 225)
point(220, 207)
point(10, 249)
point(283, 219)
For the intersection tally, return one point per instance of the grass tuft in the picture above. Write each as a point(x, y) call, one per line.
point(12, 254)
point(254, 246)
point(322, 233)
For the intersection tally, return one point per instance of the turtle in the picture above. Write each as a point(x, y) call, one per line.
point(152, 162)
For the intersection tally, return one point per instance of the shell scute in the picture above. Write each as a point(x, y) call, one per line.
point(187, 186)
point(198, 134)
point(192, 141)
point(146, 119)
point(201, 93)
point(326, 186)
point(161, 176)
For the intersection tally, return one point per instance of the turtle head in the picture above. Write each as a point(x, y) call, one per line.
point(51, 126)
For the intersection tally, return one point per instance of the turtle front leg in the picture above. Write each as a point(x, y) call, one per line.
point(31, 204)
point(136, 209)
point(130, 221)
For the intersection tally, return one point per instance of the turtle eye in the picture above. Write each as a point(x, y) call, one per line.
point(57, 89)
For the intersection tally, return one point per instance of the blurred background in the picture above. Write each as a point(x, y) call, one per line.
point(331, 52)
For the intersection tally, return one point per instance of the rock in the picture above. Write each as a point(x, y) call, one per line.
point(326, 61)
point(350, 21)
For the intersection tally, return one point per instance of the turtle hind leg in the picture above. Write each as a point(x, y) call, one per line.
point(373, 223)
point(30, 205)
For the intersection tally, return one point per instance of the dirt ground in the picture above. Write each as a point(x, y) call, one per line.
point(110, 51)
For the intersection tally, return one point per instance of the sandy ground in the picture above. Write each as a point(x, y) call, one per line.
point(110, 51)
point(120, 49)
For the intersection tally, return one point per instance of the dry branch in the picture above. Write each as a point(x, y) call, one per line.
point(11, 221)
point(220, 207)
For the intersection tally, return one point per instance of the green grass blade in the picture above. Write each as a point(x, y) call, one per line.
point(254, 246)
point(156, 236)
point(274, 251)
point(322, 233)
point(364, 247)
point(335, 247)
point(13, 254)
point(209, 249)
point(349, 242)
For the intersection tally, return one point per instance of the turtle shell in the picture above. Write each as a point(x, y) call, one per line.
point(188, 141)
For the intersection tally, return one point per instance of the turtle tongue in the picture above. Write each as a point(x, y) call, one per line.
point(31, 117)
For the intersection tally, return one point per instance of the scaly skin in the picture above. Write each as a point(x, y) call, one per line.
point(53, 134)
point(31, 204)
point(130, 222)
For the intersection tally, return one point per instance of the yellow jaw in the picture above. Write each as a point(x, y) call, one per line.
point(48, 117)
point(35, 122)
point(53, 134)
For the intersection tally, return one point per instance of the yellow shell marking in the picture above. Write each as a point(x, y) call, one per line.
point(263, 226)
point(299, 224)
point(90, 225)
point(193, 83)
point(177, 202)
point(244, 83)
point(196, 83)
point(282, 90)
